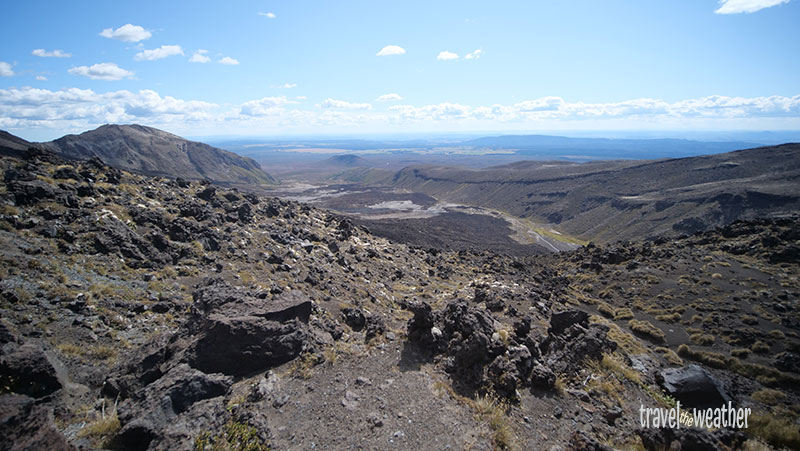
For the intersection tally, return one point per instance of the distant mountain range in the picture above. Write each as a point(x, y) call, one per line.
point(151, 151)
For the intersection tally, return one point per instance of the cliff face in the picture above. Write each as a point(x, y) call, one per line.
point(154, 152)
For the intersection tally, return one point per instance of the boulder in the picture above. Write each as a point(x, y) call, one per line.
point(145, 416)
point(27, 426)
point(354, 318)
point(560, 321)
point(27, 370)
point(245, 344)
point(693, 387)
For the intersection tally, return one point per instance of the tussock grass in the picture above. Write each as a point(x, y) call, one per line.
point(102, 429)
point(493, 411)
point(670, 356)
point(702, 339)
point(778, 432)
point(768, 396)
point(763, 374)
point(648, 330)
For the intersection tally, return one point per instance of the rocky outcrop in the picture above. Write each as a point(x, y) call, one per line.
point(232, 333)
point(27, 426)
point(481, 355)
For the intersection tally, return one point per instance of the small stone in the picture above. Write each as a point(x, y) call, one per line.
point(362, 381)
point(280, 401)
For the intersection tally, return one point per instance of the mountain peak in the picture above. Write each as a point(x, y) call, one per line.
point(151, 151)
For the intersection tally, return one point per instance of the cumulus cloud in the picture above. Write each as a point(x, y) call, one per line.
point(474, 55)
point(391, 50)
point(286, 86)
point(54, 54)
point(227, 60)
point(41, 78)
point(267, 106)
point(267, 15)
point(746, 6)
point(127, 33)
point(5, 69)
point(389, 98)
point(75, 108)
point(200, 57)
point(160, 53)
point(445, 55)
point(102, 71)
point(80, 109)
point(344, 105)
point(556, 108)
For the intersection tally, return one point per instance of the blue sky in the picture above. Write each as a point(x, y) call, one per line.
point(303, 67)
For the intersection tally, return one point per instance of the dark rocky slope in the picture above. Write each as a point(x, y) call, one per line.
point(146, 313)
point(151, 151)
point(612, 200)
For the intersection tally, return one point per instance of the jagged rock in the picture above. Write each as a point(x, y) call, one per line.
point(208, 193)
point(27, 426)
point(245, 344)
point(206, 416)
point(542, 377)
point(354, 318)
point(581, 441)
point(33, 191)
point(196, 210)
point(139, 368)
point(560, 321)
point(693, 387)
point(690, 439)
point(68, 172)
point(245, 213)
point(114, 236)
point(145, 417)
point(503, 376)
point(374, 327)
point(28, 371)
point(565, 352)
point(788, 361)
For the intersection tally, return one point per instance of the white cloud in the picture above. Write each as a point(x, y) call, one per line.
point(344, 105)
point(746, 6)
point(474, 55)
point(159, 53)
point(5, 69)
point(127, 33)
point(102, 71)
point(267, 15)
point(268, 106)
point(445, 55)
point(301, 97)
point(41, 78)
point(82, 109)
point(54, 54)
point(70, 110)
point(389, 98)
point(391, 50)
point(199, 57)
point(442, 111)
point(227, 60)
point(285, 86)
